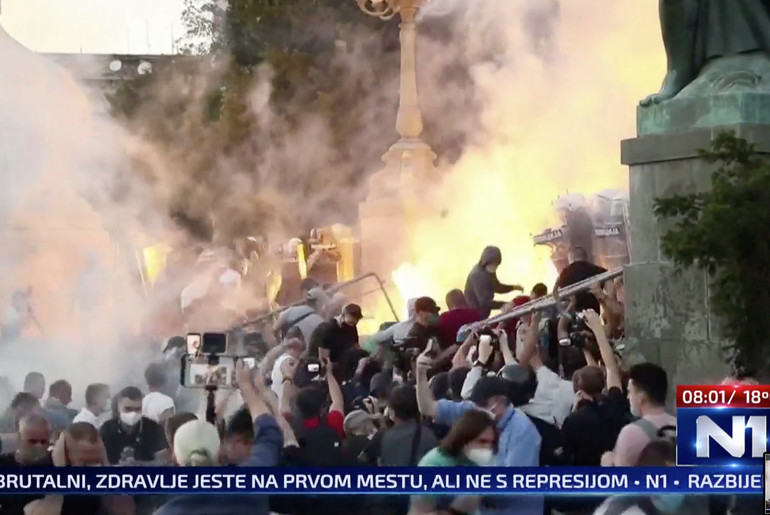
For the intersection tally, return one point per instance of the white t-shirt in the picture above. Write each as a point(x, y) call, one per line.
point(553, 398)
point(154, 404)
point(85, 415)
point(277, 377)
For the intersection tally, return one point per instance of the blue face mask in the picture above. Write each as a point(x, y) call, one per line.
point(670, 503)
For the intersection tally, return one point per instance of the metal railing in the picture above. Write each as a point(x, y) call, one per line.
point(330, 291)
point(549, 301)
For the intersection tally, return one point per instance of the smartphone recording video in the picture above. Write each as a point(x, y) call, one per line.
point(201, 373)
point(313, 368)
point(214, 343)
point(250, 362)
point(193, 344)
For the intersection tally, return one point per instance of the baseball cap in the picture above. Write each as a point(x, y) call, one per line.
point(355, 420)
point(353, 310)
point(463, 333)
point(426, 304)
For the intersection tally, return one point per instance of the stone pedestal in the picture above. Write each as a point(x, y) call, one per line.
point(393, 204)
point(669, 319)
point(668, 314)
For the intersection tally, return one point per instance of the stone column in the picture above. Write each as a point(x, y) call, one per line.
point(393, 200)
point(668, 315)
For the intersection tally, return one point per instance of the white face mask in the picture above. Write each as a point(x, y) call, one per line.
point(131, 418)
point(479, 456)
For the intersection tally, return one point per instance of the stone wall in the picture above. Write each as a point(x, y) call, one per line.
point(668, 313)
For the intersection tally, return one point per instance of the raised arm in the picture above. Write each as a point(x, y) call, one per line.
point(251, 396)
point(460, 358)
point(335, 392)
point(266, 366)
point(425, 400)
point(268, 438)
point(608, 357)
point(529, 356)
point(505, 347)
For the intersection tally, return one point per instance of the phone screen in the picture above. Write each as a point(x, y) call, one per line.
point(214, 343)
point(313, 367)
point(199, 373)
point(193, 344)
point(250, 362)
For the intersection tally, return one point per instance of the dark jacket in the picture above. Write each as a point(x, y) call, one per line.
point(481, 286)
point(334, 336)
point(592, 429)
point(268, 441)
point(146, 438)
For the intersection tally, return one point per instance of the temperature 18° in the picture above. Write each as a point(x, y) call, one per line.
point(756, 396)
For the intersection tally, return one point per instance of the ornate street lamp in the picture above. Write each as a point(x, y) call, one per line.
point(396, 196)
point(410, 155)
point(409, 121)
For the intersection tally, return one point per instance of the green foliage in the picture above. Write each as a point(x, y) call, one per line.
point(724, 231)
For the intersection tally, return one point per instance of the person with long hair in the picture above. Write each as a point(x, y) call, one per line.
point(471, 442)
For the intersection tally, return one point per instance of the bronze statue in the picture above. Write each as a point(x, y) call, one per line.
point(697, 31)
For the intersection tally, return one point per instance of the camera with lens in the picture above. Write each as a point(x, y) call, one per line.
point(579, 332)
point(488, 333)
point(406, 351)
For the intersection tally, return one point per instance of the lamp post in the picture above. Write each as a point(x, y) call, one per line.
point(396, 193)
point(409, 158)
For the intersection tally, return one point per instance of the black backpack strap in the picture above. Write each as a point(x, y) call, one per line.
point(415, 444)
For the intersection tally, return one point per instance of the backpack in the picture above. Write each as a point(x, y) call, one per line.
point(552, 445)
point(321, 446)
point(654, 433)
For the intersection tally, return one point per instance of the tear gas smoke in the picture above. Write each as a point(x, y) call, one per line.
point(558, 83)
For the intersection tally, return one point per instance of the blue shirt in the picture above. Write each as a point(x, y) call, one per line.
point(519, 446)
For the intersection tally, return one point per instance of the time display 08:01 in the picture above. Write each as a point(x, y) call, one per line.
point(699, 397)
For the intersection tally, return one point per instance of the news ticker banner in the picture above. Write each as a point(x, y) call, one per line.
point(396, 480)
point(724, 425)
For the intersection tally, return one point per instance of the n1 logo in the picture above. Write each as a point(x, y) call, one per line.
point(721, 436)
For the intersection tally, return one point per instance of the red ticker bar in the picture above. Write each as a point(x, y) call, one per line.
point(734, 396)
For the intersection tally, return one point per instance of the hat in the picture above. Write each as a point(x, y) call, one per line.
point(353, 310)
point(463, 333)
point(355, 420)
point(426, 304)
point(487, 387)
point(380, 384)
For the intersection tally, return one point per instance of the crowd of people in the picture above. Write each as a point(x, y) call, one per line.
point(440, 389)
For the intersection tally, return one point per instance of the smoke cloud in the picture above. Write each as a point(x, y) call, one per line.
point(556, 85)
point(523, 99)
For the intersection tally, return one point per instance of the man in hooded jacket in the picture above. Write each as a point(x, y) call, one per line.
point(482, 283)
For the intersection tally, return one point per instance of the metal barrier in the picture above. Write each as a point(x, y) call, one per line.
point(331, 291)
point(549, 301)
